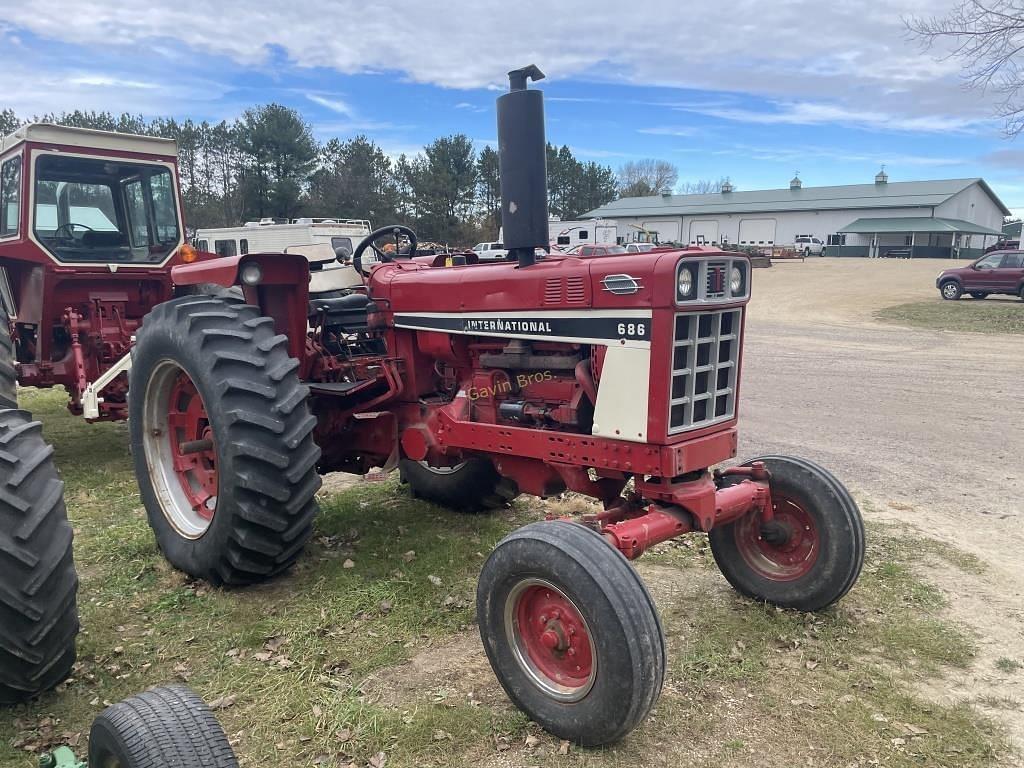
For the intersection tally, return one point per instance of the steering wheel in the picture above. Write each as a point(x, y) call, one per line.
point(70, 227)
point(370, 241)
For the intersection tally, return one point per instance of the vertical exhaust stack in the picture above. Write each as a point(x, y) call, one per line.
point(522, 163)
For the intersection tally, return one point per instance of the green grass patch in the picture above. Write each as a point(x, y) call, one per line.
point(387, 578)
point(989, 316)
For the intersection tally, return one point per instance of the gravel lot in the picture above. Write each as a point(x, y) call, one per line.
point(926, 427)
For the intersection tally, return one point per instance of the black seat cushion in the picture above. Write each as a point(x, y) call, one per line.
point(349, 311)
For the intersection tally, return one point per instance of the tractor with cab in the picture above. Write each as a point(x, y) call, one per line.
point(616, 376)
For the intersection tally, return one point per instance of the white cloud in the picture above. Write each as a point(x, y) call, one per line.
point(105, 81)
point(333, 103)
point(851, 54)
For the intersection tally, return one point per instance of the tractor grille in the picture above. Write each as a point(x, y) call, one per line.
point(705, 354)
point(717, 272)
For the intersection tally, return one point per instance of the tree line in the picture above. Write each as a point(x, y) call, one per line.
point(267, 163)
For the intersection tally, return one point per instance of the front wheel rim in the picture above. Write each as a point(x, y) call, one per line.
point(181, 455)
point(550, 640)
point(949, 290)
point(788, 550)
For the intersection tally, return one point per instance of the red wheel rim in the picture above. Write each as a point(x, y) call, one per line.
point(193, 452)
point(788, 555)
point(551, 640)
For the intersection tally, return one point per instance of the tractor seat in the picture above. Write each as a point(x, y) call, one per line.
point(349, 311)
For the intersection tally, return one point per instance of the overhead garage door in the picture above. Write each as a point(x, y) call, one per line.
point(668, 231)
point(757, 232)
point(704, 228)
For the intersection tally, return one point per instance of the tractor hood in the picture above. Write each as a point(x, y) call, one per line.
point(609, 282)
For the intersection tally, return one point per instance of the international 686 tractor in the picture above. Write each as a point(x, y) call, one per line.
point(616, 377)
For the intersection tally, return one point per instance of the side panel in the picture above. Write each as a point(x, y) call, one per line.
point(622, 396)
point(703, 229)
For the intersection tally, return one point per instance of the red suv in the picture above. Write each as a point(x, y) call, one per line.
point(998, 272)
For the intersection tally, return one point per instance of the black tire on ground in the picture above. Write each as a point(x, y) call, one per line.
point(951, 290)
point(164, 727)
point(243, 508)
point(818, 549)
point(38, 583)
point(559, 582)
point(979, 294)
point(8, 378)
point(1020, 293)
point(472, 486)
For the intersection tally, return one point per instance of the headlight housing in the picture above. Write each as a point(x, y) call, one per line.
point(685, 284)
point(736, 281)
point(251, 274)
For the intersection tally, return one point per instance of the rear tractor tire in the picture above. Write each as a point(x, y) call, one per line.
point(38, 583)
point(164, 727)
point(8, 377)
point(810, 555)
point(571, 632)
point(473, 486)
point(222, 440)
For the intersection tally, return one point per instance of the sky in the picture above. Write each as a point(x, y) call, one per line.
point(752, 91)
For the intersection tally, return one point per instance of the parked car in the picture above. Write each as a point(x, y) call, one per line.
point(640, 247)
point(809, 245)
point(997, 272)
point(490, 251)
point(1004, 245)
point(596, 250)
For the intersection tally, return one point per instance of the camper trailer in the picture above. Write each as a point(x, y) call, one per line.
point(271, 235)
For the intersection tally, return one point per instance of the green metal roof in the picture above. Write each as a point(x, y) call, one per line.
point(908, 224)
point(895, 194)
point(1012, 229)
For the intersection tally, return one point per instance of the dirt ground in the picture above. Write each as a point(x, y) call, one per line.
point(926, 426)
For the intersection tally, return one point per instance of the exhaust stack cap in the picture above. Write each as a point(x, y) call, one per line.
point(517, 77)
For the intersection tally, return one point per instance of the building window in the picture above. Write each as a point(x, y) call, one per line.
point(10, 196)
point(244, 245)
point(224, 247)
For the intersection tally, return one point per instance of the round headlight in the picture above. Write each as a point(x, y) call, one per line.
point(685, 282)
point(251, 274)
point(735, 280)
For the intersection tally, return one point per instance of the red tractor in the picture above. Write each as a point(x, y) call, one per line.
point(616, 377)
point(90, 226)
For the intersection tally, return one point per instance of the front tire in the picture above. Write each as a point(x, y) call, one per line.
point(38, 583)
point(951, 290)
point(571, 632)
point(812, 552)
point(164, 727)
point(472, 486)
point(222, 440)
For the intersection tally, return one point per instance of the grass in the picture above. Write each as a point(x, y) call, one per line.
point(1003, 315)
point(300, 657)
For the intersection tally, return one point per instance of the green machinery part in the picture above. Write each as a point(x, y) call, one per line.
point(61, 757)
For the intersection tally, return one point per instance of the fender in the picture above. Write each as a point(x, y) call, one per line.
point(282, 290)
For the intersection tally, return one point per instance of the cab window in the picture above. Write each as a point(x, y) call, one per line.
point(1013, 261)
point(990, 262)
point(342, 245)
point(10, 196)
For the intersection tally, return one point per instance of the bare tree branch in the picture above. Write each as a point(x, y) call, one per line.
point(988, 38)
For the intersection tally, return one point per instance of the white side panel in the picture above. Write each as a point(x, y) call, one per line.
point(704, 228)
point(621, 409)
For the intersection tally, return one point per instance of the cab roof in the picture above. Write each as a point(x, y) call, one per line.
point(90, 138)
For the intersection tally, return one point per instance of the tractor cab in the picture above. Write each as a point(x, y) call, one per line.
point(90, 224)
